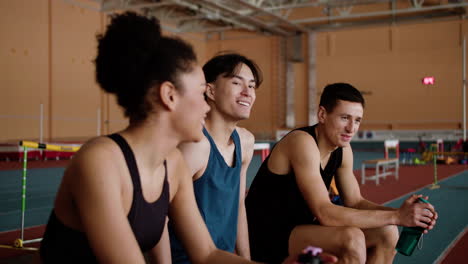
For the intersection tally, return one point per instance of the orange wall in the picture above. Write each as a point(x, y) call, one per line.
point(24, 69)
point(74, 96)
point(47, 54)
point(389, 63)
point(47, 50)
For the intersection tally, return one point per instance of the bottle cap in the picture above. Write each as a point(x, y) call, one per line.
point(423, 200)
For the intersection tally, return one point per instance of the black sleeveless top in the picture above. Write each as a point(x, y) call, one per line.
point(62, 244)
point(275, 206)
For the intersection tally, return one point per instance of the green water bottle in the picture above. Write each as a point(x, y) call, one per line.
point(409, 237)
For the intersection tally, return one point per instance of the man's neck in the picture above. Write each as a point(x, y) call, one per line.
point(219, 128)
point(324, 144)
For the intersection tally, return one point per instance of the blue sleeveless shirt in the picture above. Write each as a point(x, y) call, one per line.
point(217, 196)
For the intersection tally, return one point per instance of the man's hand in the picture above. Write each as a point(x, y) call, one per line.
point(414, 213)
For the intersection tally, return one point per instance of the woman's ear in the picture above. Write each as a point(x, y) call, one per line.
point(168, 94)
point(321, 114)
point(210, 91)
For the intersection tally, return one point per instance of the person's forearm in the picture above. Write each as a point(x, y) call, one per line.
point(242, 243)
point(368, 205)
point(332, 215)
point(242, 246)
point(219, 256)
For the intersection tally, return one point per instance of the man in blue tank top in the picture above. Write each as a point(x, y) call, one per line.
point(219, 161)
point(288, 206)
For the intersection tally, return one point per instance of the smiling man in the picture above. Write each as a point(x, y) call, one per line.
point(219, 162)
point(288, 206)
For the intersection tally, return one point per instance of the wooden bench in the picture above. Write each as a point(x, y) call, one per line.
point(383, 168)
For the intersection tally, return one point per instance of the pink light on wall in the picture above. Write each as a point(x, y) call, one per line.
point(430, 80)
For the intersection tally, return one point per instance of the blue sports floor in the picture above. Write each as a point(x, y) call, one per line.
point(451, 202)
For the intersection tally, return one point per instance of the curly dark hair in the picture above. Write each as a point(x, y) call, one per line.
point(226, 63)
point(339, 91)
point(133, 56)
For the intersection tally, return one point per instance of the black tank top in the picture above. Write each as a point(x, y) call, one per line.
point(62, 244)
point(275, 206)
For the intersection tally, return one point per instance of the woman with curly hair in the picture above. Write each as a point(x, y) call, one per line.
point(117, 192)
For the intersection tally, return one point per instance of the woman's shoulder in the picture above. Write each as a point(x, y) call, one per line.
point(98, 161)
point(96, 155)
point(99, 148)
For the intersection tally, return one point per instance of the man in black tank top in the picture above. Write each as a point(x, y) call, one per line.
point(288, 206)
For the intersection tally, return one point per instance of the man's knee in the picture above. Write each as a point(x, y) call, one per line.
point(388, 237)
point(382, 244)
point(353, 244)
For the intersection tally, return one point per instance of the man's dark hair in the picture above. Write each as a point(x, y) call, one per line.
point(133, 56)
point(339, 91)
point(226, 65)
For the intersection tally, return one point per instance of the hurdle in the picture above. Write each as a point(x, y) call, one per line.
point(392, 144)
point(20, 242)
point(435, 150)
point(383, 167)
point(436, 153)
point(264, 149)
point(440, 146)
